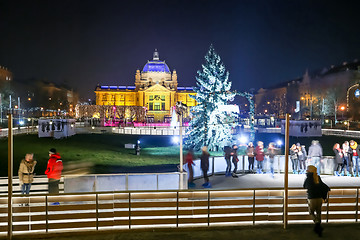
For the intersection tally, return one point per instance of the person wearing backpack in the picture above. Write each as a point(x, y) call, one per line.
point(317, 191)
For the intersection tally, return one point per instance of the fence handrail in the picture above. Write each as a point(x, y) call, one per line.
point(180, 190)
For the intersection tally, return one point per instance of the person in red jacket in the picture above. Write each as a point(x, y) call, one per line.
point(189, 160)
point(259, 153)
point(53, 171)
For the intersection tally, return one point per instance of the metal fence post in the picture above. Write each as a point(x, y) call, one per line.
point(286, 174)
point(254, 207)
point(208, 222)
point(327, 209)
point(10, 176)
point(97, 211)
point(177, 208)
point(213, 166)
point(127, 182)
point(157, 182)
point(357, 205)
point(129, 210)
point(46, 214)
point(243, 163)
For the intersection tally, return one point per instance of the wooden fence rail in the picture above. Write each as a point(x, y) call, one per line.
point(151, 209)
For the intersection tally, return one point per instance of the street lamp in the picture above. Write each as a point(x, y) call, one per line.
point(327, 121)
point(180, 109)
point(347, 95)
point(342, 108)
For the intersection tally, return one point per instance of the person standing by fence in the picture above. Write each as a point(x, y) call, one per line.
point(354, 147)
point(227, 151)
point(235, 160)
point(302, 158)
point(316, 191)
point(259, 153)
point(338, 159)
point(250, 152)
point(271, 152)
point(346, 159)
point(294, 158)
point(189, 160)
point(53, 171)
point(26, 173)
point(204, 162)
point(315, 154)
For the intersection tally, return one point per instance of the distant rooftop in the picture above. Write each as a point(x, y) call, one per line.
point(185, 88)
point(117, 87)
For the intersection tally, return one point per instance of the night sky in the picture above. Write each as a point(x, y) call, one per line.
point(262, 43)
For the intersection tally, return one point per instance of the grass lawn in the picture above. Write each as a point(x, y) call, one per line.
point(105, 152)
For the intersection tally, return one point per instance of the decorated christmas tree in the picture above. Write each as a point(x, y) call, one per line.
point(211, 124)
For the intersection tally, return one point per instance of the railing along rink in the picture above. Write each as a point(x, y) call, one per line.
point(169, 209)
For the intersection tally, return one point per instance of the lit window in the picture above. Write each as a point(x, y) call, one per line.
point(163, 98)
point(151, 98)
point(157, 107)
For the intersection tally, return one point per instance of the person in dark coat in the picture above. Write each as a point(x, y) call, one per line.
point(204, 163)
point(235, 160)
point(346, 166)
point(227, 151)
point(302, 158)
point(315, 192)
point(338, 159)
point(294, 158)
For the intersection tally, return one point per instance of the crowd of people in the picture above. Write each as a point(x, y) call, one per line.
point(53, 171)
point(346, 159)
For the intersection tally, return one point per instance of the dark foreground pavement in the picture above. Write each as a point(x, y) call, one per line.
point(263, 232)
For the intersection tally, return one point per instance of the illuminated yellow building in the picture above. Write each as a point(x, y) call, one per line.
point(156, 88)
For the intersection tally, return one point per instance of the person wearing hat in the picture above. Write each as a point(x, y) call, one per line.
point(53, 171)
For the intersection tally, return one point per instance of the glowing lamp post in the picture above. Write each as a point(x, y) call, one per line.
point(342, 108)
point(180, 109)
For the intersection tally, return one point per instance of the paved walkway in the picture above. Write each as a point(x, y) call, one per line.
point(267, 181)
point(263, 232)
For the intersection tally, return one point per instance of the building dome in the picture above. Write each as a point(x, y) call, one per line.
point(156, 65)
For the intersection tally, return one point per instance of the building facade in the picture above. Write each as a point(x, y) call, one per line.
point(156, 89)
point(332, 93)
point(5, 74)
